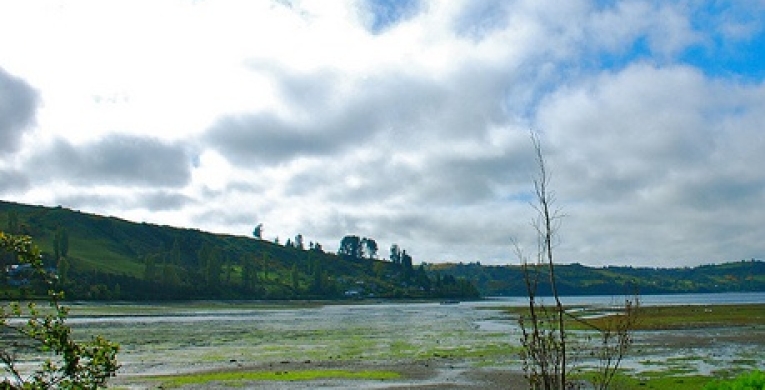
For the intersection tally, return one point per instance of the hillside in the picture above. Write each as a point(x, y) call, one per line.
point(101, 257)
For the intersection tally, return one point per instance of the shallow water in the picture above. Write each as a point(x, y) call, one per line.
point(165, 339)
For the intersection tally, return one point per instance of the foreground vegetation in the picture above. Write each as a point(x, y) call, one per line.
point(69, 363)
point(748, 381)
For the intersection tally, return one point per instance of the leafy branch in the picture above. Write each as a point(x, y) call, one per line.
point(71, 364)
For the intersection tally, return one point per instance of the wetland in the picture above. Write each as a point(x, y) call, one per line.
point(264, 345)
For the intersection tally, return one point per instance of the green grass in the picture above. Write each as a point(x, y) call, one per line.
point(96, 255)
point(660, 380)
point(676, 317)
point(663, 382)
point(300, 375)
point(690, 317)
point(754, 380)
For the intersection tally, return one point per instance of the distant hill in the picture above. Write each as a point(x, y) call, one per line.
point(109, 258)
point(576, 279)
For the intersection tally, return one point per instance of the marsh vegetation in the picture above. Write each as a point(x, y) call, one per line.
point(383, 345)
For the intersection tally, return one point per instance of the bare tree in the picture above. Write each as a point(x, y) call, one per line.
point(544, 331)
point(545, 349)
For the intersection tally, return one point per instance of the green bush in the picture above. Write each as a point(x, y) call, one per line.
point(754, 380)
point(71, 364)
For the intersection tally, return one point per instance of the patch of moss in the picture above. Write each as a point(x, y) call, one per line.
point(661, 381)
point(300, 375)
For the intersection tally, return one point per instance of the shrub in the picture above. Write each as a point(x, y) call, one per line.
point(71, 364)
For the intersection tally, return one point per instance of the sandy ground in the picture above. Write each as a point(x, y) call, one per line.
point(414, 375)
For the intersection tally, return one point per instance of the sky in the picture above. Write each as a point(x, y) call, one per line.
point(406, 121)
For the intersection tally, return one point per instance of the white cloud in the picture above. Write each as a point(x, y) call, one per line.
point(657, 156)
point(408, 123)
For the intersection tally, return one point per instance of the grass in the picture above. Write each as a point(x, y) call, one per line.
point(663, 381)
point(659, 380)
point(674, 317)
point(695, 317)
point(299, 375)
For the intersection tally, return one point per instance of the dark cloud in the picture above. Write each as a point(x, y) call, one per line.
point(164, 200)
point(18, 102)
point(117, 160)
point(266, 139)
point(13, 181)
point(345, 115)
point(159, 200)
point(221, 216)
point(396, 112)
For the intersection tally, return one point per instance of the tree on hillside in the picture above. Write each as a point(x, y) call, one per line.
point(213, 266)
point(350, 246)
point(60, 243)
point(249, 274)
point(63, 270)
point(150, 268)
point(317, 283)
point(13, 222)
point(395, 254)
point(370, 247)
point(170, 277)
point(407, 266)
point(175, 252)
point(421, 278)
point(265, 266)
point(295, 278)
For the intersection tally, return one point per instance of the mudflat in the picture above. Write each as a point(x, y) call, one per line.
point(411, 375)
point(390, 345)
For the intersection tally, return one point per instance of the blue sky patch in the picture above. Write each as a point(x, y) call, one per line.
point(387, 13)
point(742, 59)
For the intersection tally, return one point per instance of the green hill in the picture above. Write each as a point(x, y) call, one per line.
point(109, 258)
point(576, 279)
point(101, 257)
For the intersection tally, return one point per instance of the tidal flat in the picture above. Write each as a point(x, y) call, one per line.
point(390, 345)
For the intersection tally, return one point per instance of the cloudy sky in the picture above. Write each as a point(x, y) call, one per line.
point(404, 121)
